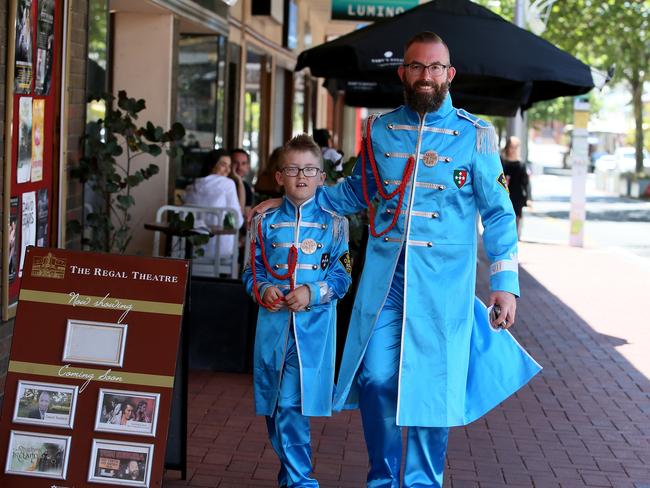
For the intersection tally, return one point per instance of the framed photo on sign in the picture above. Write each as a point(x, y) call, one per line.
point(94, 343)
point(128, 412)
point(41, 455)
point(120, 463)
point(45, 404)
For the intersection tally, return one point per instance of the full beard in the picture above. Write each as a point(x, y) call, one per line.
point(425, 102)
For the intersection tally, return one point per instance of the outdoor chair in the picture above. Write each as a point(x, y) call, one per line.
point(215, 261)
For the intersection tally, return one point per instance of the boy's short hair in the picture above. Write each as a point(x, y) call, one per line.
point(301, 143)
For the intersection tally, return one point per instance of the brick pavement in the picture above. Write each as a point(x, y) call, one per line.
point(583, 422)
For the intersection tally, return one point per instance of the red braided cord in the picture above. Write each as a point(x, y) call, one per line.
point(401, 189)
point(291, 264)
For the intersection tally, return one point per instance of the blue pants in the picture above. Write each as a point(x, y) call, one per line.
point(378, 377)
point(289, 430)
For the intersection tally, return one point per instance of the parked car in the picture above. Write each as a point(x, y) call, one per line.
point(623, 160)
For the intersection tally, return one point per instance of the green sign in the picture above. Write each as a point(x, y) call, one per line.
point(369, 9)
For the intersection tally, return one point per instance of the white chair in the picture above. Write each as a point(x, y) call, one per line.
point(215, 261)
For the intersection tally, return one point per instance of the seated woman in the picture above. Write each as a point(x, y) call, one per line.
point(216, 189)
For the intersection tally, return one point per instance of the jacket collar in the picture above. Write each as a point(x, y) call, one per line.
point(306, 208)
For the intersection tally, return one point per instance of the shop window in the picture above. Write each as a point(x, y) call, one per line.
point(98, 56)
point(253, 106)
point(200, 100)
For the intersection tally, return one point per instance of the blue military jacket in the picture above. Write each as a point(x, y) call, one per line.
point(457, 176)
point(321, 238)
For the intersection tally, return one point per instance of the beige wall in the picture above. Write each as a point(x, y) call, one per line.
point(143, 66)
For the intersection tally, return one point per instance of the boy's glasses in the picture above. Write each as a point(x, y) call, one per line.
point(308, 172)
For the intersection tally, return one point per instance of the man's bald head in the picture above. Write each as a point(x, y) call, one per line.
point(427, 37)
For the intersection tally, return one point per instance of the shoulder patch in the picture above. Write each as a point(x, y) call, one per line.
point(503, 181)
point(486, 137)
point(345, 260)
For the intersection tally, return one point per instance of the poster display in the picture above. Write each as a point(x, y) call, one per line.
point(38, 130)
point(44, 47)
point(32, 134)
point(42, 217)
point(24, 53)
point(14, 215)
point(28, 229)
point(89, 389)
point(24, 140)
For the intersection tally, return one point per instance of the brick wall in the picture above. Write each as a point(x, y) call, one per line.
point(76, 91)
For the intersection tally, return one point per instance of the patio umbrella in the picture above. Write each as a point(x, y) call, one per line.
point(500, 67)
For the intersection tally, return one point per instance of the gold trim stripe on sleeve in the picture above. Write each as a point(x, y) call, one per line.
point(67, 372)
point(56, 298)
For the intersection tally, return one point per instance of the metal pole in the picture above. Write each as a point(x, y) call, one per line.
point(515, 124)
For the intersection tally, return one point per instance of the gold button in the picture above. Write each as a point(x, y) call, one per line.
point(323, 226)
point(385, 239)
point(314, 266)
point(388, 210)
point(434, 215)
point(277, 266)
point(429, 244)
point(456, 132)
point(385, 182)
point(272, 226)
point(390, 126)
point(442, 187)
point(319, 245)
point(274, 245)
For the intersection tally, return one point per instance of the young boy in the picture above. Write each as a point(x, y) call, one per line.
point(299, 267)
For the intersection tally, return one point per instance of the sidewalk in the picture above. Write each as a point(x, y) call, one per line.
point(583, 422)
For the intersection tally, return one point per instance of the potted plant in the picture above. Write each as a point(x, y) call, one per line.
point(111, 177)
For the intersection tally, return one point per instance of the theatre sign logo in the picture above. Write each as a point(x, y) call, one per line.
point(49, 267)
point(369, 9)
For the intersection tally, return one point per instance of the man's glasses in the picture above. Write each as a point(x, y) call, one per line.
point(436, 69)
point(308, 172)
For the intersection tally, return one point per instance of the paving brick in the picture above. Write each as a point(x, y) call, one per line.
point(583, 422)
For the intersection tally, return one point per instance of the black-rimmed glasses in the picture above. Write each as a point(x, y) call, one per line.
point(308, 172)
point(436, 69)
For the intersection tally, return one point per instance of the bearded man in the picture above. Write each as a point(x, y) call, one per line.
point(419, 351)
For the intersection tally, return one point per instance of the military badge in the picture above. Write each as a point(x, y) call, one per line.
point(501, 179)
point(308, 246)
point(430, 159)
point(324, 260)
point(346, 262)
point(460, 177)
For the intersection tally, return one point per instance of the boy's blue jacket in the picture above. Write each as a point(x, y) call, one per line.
point(321, 238)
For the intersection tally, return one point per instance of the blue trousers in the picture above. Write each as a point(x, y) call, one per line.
point(289, 430)
point(377, 380)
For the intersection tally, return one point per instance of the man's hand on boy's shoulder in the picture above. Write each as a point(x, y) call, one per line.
point(298, 299)
point(262, 207)
point(271, 295)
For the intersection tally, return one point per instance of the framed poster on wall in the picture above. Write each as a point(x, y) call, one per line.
point(31, 158)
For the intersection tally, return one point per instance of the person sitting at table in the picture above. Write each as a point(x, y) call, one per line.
point(216, 189)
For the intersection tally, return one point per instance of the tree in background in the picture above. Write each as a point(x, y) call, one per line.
point(601, 33)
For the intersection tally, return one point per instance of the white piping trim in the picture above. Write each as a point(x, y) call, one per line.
point(504, 265)
point(315, 225)
point(437, 130)
point(420, 213)
point(298, 266)
point(414, 178)
point(418, 184)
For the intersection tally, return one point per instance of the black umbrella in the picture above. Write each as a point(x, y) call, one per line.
point(500, 67)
